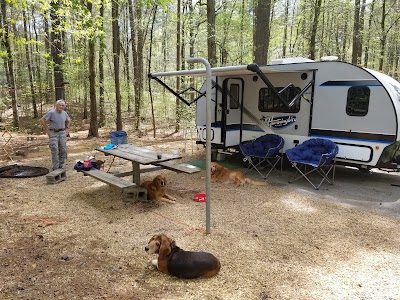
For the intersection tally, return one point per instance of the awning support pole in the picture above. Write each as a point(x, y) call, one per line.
point(208, 137)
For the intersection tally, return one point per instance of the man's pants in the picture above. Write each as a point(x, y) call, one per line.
point(58, 147)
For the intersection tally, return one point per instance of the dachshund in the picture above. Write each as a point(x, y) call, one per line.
point(156, 190)
point(224, 175)
point(177, 262)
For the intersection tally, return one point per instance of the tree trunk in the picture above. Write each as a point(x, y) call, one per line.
point(29, 65)
point(178, 66)
point(137, 39)
point(285, 31)
point(9, 62)
point(57, 51)
point(355, 58)
point(47, 47)
point(102, 46)
point(116, 53)
point(383, 36)
point(366, 51)
point(149, 81)
point(314, 28)
point(125, 50)
point(93, 129)
point(211, 42)
point(134, 53)
point(37, 70)
point(262, 13)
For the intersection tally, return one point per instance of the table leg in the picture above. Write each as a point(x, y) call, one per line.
point(136, 173)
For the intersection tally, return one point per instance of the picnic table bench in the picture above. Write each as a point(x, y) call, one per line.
point(130, 189)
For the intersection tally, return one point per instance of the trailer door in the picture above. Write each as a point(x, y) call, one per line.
point(232, 111)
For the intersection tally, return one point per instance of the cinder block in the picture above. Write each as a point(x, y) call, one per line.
point(56, 176)
point(134, 194)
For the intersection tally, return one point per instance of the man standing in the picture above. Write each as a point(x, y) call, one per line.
point(57, 131)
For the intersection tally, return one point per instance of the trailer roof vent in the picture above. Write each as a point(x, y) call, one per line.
point(290, 60)
point(329, 58)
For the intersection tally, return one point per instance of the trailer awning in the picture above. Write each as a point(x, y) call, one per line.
point(228, 71)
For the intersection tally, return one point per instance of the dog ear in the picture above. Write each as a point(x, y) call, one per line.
point(165, 247)
point(156, 181)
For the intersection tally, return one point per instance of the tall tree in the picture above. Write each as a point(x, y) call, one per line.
point(93, 128)
point(211, 41)
point(116, 54)
point(357, 45)
point(137, 39)
point(29, 64)
point(314, 27)
point(262, 13)
point(57, 48)
point(149, 66)
point(285, 30)
point(178, 65)
point(368, 36)
point(37, 70)
point(8, 61)
point(47, 46)
point(102, 47)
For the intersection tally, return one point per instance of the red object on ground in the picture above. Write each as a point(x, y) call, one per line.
point(200, 198)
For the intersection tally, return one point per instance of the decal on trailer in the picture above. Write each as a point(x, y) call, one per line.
point(278, 122)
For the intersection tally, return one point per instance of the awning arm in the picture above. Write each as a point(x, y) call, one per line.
point(302, 92)
point(255, 68)
point(178, 94)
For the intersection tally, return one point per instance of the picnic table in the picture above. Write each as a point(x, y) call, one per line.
point(138, 156)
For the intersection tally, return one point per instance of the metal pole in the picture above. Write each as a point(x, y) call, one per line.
point(208, 137)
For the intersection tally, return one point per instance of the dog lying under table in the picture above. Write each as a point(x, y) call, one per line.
point(184, 264)
point(157, 190)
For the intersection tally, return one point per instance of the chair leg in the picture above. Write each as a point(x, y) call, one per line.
point(272, 165)
point(305, 173)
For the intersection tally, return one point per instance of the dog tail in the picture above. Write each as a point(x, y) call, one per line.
point(256, 182)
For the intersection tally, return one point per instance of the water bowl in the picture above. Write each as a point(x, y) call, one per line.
point(200, 198)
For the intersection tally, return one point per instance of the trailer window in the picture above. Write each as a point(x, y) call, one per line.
point(357, 101)
point(234, 96)
point(269, 102)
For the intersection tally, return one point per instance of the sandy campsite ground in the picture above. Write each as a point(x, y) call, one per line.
point(79, 240)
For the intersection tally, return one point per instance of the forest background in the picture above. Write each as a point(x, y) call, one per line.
point(96, 54)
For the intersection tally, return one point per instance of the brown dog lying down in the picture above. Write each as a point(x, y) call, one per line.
point(175, 261)
point(156, 190)
point(224, 175)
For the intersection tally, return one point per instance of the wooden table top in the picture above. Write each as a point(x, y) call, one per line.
point(139, 154)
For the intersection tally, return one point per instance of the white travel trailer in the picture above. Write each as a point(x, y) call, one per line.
point(297, 98)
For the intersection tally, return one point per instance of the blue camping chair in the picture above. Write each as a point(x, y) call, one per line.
point(263, 150)
point(317, 154)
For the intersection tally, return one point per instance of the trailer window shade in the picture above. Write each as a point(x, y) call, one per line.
point(269, 102)
point(357, 101)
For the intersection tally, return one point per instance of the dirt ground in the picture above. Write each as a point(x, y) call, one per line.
point(78, 239)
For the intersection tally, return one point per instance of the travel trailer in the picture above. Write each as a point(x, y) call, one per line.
point(297, 98)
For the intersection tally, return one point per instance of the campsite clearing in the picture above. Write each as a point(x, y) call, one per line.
point(79, 239)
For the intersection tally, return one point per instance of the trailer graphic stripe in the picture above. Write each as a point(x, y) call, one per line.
point(237, 126)
point(355, 135)
point(368, 82)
